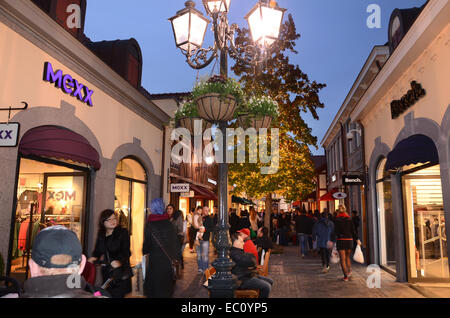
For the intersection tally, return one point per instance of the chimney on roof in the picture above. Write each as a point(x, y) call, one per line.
point(70, 14)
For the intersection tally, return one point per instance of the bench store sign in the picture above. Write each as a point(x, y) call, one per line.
point(68, 84)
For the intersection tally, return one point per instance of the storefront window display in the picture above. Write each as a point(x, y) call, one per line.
point(385, 218)
point(47, 195)
point(184, 206)
point(130, 203)
point(425, 219)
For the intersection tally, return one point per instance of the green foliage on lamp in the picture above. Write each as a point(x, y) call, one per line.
point(2, 265)
point(188, 109)
point(220, 85)
point(263, 106)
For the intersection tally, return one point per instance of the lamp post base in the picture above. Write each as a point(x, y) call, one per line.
point(223, 284)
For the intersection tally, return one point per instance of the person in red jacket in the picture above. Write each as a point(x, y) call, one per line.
point(249, 246)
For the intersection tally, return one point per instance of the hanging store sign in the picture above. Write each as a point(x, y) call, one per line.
point(339, 195)
point(189, 194)
point(9, 134)
point(179, 187)
point(352, 180)
point(68, 84)
point(414, 94)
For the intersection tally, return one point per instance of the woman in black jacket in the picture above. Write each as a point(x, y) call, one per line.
point(177, 219)
point(345, 234)
point(112, 250)
point(162, 245)
point(263, 240)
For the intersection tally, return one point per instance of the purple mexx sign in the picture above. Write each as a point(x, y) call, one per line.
point(68, 84)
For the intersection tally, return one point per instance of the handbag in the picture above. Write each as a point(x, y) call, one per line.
point(175, 264)
point(120, 273)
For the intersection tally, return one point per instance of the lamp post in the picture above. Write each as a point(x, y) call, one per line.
point(189, 28)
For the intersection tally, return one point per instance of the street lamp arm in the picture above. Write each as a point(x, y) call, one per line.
point(199, 59)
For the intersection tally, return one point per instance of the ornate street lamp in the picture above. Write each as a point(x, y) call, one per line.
point(215, 6)
point(265, 23)
point(189, 27)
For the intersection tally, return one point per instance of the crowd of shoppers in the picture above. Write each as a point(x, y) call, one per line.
point(166, 235)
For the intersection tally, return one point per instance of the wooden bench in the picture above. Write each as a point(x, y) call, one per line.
point(238, 293)
point(263, 270)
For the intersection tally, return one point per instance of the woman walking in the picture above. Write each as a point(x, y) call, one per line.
point(253, 220)
point(177, 219)
point(345, 235)
point(322, 234)
point(112, 249)
point(162, 245)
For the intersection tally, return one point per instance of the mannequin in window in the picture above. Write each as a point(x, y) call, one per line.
point(123, 219)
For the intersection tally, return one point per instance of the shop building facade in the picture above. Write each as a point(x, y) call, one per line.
point(91, 138)
point(313, 202)
point(405, 113)
point(344, 146)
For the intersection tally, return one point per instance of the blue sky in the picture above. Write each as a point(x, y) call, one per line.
point(335, 42)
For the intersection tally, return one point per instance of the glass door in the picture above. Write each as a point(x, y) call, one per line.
point(425, 219)
point(65, 197)
point(130, 204)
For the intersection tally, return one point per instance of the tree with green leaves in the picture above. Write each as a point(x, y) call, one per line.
point(295, 94)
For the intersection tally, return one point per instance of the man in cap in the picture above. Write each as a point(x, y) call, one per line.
point(249, 246)
point(56, 265)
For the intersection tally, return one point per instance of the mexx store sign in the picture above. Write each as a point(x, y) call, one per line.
point(68, 84)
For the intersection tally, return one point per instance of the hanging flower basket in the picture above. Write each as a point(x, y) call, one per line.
point(255, 121)
point(259, 113)
point(189, 124)
point(215, 107)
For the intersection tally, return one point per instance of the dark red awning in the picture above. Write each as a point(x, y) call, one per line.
point(203, 193)
point(329, 195)
point(59, 143)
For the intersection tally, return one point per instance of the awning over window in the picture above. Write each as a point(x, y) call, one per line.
point(59, 143)
point(239, 200)
point(413, 150)
point(203, 193)
point(329, 195)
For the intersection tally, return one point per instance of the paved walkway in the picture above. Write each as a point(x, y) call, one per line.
point(303, 278)
point(295, 277)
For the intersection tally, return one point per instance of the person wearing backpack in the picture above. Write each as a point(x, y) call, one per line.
point(322, 234)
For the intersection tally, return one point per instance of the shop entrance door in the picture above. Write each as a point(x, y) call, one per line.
point(65, 200)
point(48, 193)
point(425, 231)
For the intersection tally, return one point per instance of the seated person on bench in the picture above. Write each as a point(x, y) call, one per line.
point(245, 269)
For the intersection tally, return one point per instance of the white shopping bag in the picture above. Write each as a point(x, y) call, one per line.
point(358, 256)
point(334, 256)
point(263, 254)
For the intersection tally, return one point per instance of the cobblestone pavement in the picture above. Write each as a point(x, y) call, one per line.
point(303, 278)
point(295, 277)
